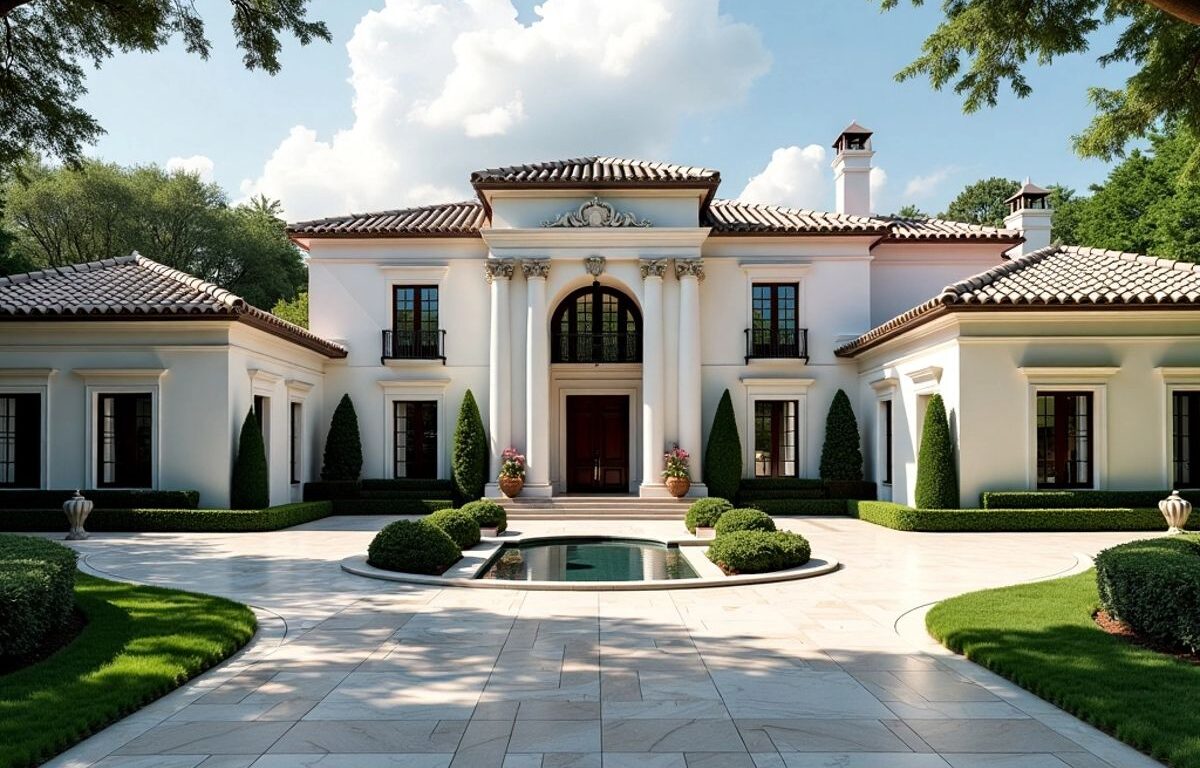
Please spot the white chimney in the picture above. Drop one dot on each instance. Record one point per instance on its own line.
(1030, 214)
(852, 170)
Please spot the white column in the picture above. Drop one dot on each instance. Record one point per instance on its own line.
(653, 434)
(690, 272)
(537, 381)
(499, 274)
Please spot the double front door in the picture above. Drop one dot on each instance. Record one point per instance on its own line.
(598, 443)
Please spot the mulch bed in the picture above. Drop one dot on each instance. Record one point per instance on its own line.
(1125, 632)
(55, 641)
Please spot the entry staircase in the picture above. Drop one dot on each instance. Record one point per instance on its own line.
(598, 507)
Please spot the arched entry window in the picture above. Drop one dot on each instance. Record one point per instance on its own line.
(596, 325)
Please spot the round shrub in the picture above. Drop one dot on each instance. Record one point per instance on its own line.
(744, 520)
(759, 551)
(413, 546)
(459, 525)
(1154, 587)
(37, 592)
(488, 514)
(704, 513)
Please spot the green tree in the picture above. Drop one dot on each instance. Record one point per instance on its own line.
(982, 44)
(250, 488)
(48, 45)
(982, 202)
(841, 457)
(911, 211)
(470, 460)
(1067, 207)
(723, 453)
(294, 311)
(343, 447)
(937, 476)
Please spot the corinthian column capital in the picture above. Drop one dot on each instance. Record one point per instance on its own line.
(536, 268)
(497, 269)
(652, 267)
(689, 268)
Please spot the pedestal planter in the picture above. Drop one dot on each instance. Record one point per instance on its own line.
(511, 486)
(1176, 510)
(77, 508)
(678, 486)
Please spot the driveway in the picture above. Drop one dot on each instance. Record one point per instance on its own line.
(348, 672)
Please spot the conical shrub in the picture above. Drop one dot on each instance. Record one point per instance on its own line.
(723, 453)
(841, 457)
(470, 459)
(343, 447)
(250, 488)
(937, 477)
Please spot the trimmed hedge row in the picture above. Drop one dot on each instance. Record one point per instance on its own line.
(794, 488)
(389, 506)
(172, 520)
(759, 551)
(1082, 499)
(902, 518)
(1154, 587)
(21, 498)
(408, 485)
(784, 507)
(37, 592)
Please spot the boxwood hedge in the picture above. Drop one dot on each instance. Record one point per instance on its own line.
(782, 507)
(458, 524)
(759, 551)
(37, 588)
(744, 520)
(488, 514)
(1154, 587)
(413, 546)
(22, 498)
(171, 520)
(904, 518)
(1082, 499)
(389, 506)
(704, 513)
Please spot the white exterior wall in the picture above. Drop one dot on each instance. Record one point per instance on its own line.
(904, 275)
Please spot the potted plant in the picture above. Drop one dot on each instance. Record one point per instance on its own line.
(512, 472)
(677, 476)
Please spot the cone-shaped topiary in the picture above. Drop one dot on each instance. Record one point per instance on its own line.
(937, 477)
(469, 463)
(841, 458)
(343, 447)
(723, 454)
(250, 488)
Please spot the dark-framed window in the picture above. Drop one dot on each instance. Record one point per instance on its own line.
(20, 440)
(414, 431)
(596, 325)
(774, 330)
(1185, 438)
(415, 332)
(775, 438)
(125, 440)
(260, 413)
(885, 414)
(1065, 437)
(295, 435)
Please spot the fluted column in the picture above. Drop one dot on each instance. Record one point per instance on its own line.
(653, 433)
(499, 275)
(690, 272)
(537, 380)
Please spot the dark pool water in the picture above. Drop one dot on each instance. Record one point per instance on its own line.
(579, 559)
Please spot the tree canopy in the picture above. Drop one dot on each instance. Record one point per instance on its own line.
(981, 45)
(982, 202)
(68, 215)
(48, 43)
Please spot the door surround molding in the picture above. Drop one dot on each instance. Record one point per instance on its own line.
(595, 380)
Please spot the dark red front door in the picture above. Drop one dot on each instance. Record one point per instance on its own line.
(598, 443)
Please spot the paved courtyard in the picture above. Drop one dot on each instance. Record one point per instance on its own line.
(834, 671)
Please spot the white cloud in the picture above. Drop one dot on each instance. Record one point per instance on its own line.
(197, 164)
(443, 87)
(919, 187)
(801, 178)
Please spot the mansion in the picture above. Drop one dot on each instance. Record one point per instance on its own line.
(598, 309)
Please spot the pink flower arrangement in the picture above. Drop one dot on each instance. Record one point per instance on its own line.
(676, 461)
(512, 464)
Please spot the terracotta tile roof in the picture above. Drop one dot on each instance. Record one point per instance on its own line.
(732, 217)
(446, 219)
(928, 229)
(1070, 277)
(134, 287)
(597, 170)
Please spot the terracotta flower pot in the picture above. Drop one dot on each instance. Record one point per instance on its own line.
(511, 486)
(678, 486)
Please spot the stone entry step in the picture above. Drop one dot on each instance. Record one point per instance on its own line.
(611, 507)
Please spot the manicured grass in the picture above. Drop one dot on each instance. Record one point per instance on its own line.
(1042, 637)
(140, 642)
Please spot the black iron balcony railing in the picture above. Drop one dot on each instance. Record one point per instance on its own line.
(414, 345)
(763, 343)
(595, 348)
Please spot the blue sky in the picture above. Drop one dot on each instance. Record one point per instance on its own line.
(801, 70)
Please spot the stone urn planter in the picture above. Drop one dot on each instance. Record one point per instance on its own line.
(1176, 510)
(77, 508)
(678, 486)
(511, 486)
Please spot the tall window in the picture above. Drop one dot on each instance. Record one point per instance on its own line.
(415, 332)
(775, 438)
(415, 436)
(1185, 422)
(295, 435)
(124, 433)
(773, 332)
(1064, 439)
(885, 417)
(596, 325)
(20, 440)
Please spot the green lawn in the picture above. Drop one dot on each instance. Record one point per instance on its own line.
(140, 642)
(1042, 637)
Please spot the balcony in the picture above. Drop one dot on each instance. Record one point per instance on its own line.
(768, 344)
(414, 345)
